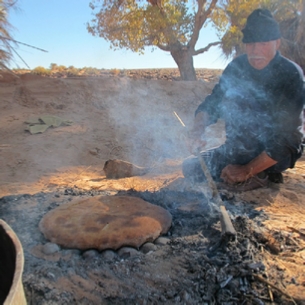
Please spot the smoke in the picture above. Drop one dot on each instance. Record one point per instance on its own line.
(248, 118)
(141, 114)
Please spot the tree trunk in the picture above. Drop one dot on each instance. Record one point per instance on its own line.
(184, 61)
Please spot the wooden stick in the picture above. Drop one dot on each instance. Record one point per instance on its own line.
(275, 287)
(227, 228)
(296, 231)
(177, 116)
(269, 288)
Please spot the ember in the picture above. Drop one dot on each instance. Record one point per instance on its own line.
(203, 266)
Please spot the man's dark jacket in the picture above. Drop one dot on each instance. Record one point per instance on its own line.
(262, 108)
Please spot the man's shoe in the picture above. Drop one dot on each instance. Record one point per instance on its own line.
(276, 177)
(251, 184)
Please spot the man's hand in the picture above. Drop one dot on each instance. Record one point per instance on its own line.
(239, 173)
(195, 142)
(232, 174)
(195, 145)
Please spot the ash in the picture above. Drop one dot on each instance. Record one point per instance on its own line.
(192, 264)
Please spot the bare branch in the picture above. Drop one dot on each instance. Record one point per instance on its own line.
(7, 38)
(200, 18)
(207, 13)
(197, 27)
(20, 57)
(155, 3)
(205, 49)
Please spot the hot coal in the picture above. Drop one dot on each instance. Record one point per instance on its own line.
(195, 266)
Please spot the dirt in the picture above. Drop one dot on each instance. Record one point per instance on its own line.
(131, 117)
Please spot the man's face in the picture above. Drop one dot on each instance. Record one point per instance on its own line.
(261, 53)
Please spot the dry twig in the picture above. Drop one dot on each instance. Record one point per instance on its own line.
(258, 277)
(269, 288)
(296, 231)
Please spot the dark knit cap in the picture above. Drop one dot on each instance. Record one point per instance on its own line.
(261, 27)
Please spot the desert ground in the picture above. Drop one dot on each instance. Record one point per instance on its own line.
(131, 116)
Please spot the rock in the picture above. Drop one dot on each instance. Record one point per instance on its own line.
(50, 248)
(108, 255)
(105, 222)
(148, 247)
(115, 169)
(256, 266)
(39, 251)
(51, 276)
(71, 252)
(185, 296)
(70, 271)
(90, 254)
(170, 294)
(162, 241)
(126, 252)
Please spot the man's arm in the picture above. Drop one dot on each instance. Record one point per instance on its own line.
(285, 138)
(207, 113)
(239, 173)
(195, 141)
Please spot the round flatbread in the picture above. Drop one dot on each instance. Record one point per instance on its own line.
(105, 222)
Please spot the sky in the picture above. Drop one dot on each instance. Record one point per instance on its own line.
(59, 27)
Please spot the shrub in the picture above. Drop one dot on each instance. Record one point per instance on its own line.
(115, 71)
(72, 71)
(41, 71)
(61, 68)
(53, 66)
(90, 71)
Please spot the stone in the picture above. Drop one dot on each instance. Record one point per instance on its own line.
(105, 222)
(90, 254)
(39, 252)
(71, 252)
(50, 248)
(162, 241)
(126, 252)
(108, 255)
(148, 247)
(116, 169)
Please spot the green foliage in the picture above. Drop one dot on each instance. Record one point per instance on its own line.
(90, 71)
(41, 71)
(63, 71)
(61, 68)
(115, 72)
(53, 67)
(56, 71)
(72, 71)
(170, 25)
(230, 17)
(136, 24)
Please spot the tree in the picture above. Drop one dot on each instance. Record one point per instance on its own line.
(170, 25)
(5, 28)
(230, 18)
(293, 31)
